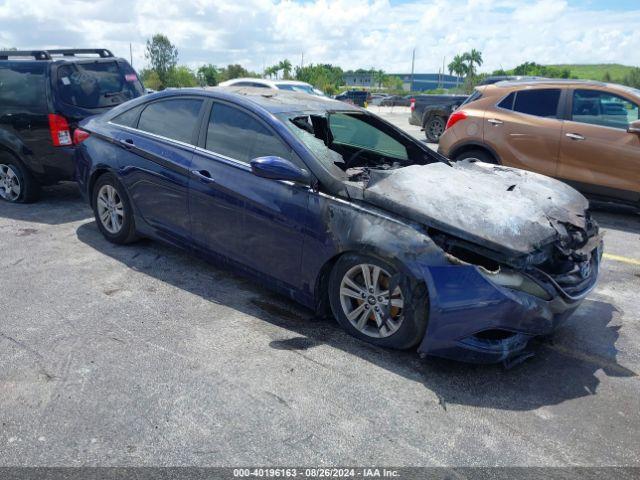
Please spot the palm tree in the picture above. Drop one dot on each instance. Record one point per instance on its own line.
(474, 57)
(271, 71)
(379, 77)
(286, 67)
(458, 67)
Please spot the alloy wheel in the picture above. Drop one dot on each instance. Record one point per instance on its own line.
(110, 209)
(10, 187)
(367, 302)
(436, 127)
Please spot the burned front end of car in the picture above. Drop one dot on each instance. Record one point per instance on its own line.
(488, 307)
(521, 252)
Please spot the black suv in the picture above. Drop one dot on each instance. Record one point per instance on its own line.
(43, 96)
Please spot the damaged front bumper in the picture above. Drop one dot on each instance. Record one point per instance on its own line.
(475, 319)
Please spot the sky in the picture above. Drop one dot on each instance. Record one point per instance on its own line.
(349, 33)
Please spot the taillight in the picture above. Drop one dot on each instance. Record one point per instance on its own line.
(455, 118)
(80, 136)
(59, 128)
(413, 104)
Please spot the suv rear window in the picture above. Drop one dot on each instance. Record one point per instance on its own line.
(97, 84)
(541, 103)
(476, 95)
(23, 84)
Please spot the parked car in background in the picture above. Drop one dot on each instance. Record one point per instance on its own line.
(43, 96)
(431, 112)
(582, 132)
(346, 214)
(396, 101)
(360, 98)
(376, 98)
(290, 85)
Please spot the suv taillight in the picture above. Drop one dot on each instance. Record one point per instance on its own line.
(59, 128)
(80, 136)
(413, 104)
(455, 118)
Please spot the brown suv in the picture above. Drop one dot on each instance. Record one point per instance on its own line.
(585, 133)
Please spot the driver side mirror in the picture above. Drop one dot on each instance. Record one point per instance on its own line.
(278, 168)
(634, 127)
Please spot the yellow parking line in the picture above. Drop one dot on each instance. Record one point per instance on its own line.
(619, 258)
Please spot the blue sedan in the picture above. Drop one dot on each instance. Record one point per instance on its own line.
(345, 214)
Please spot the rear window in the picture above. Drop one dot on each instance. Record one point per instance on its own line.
(97, 84)
(476, 95)
(23, 84)
(541, 103)
(174, 118)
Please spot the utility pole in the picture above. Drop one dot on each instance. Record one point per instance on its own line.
(130, 55)
(302, 61)
(443, 59)
(413, 63)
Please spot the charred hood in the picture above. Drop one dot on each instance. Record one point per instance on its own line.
(507, 210)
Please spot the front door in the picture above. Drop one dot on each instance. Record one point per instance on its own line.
(255, 221)
(597, 153)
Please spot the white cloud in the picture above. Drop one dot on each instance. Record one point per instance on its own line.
(350, 33)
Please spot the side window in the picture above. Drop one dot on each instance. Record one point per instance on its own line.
(507, 102)
(237, 135)
(541, 103)
(22, 84)
(128, 118)
(350, 130)
(602, 108)
(175, 118)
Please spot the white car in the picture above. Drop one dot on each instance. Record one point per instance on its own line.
(291, 85)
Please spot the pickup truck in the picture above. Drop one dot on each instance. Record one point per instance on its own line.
(431, 112)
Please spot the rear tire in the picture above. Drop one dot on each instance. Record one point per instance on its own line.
(434, 128)
(17, 185)
(385, 309)
(112, 210)
(480, 155)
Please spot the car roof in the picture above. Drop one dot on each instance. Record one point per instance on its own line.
(57, 55)
(561, 82)
(265, 81)
(273, 101)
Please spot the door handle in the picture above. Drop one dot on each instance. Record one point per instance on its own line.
(127, 143)
(574, 136)
(495, 121)
(203, 175)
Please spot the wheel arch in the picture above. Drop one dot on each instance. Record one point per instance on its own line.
(93, 178)
(433, 112)
(469, 146)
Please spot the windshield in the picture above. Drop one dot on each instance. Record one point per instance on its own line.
(296, 88)
(97, 84)
(350, 144)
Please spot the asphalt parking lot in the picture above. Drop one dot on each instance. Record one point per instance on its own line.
(144, 355)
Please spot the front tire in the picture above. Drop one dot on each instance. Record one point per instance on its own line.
(113, 211)
(434, 128)
(17, 185)
(374, 302)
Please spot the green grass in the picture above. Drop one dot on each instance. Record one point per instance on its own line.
(597, 71)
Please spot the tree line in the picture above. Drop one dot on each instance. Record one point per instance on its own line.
(164, 71)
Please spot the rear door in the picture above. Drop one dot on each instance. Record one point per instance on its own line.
(252, 220)
(597, 153)
(157, 162)
(24, 124)
(524, 128)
